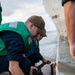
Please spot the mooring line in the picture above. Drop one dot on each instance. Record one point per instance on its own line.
(57, 56)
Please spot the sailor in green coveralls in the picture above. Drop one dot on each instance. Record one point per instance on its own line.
(15, 42)
(34, 54)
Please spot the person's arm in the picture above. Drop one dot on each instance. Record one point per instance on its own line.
(46, 61)
(14, 68)
(34, 52)
(69, 10)
(14, 45)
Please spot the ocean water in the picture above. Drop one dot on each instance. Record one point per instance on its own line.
(48, 45)
(48, 48)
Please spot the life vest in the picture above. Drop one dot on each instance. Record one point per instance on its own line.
(21, 29)
(37, 42)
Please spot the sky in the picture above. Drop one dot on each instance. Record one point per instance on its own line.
(20, 10)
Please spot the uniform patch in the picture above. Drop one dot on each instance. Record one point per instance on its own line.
(13, 24)
(30, 40)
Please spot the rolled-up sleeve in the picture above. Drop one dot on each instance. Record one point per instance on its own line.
(14, 45)
(64, 1)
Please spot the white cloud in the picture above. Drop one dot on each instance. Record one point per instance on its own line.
(22, 9)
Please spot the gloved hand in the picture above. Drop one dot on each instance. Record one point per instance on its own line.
(46, 61)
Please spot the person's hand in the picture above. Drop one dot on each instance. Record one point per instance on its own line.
(23, 55)
(46, 61)
(33, 68)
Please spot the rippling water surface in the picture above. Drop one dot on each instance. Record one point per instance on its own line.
(48, 48)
